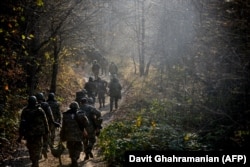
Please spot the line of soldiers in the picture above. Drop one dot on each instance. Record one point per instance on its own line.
(99, 88)
(37, 125)
(80, 125)
(96, 67)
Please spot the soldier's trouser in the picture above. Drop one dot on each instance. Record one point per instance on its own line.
(112, 101)
(34, 145)
(90, 140)
(96, 74)
(101, 98)
(75, 148)
(53, 134)
(45, 147)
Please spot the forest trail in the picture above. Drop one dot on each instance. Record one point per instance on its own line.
(21, 156)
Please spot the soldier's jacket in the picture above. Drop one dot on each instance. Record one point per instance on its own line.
(55, 108)
(115, 88)
(93, 115)
(113, 69)
(101, 86)
(80, 95)
(33, 122)
(91, 88)
(45, 106)
(95, 68)
(73, 124)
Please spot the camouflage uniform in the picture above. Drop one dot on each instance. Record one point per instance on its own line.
(93, 116)
(101, 91)
(73, 125)
(45, 106)
(114, 92)
(91, 88)
(113, 70)
(34, 128)
(55, 108)
(79, 95)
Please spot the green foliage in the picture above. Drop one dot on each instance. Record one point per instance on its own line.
(147, 129)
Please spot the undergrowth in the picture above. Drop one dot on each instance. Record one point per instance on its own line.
(145, 129)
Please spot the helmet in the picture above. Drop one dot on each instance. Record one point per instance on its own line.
(74, 105)
(84, 100)
(40, 96)
(91, 79)
(32, 100)
(51, 96)
(90, 100)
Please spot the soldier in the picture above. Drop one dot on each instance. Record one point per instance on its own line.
(114, 92)
(93, 129)
(79, 95)
(55, 108)
(34, 128)
(52, 124)
(73, 126)
(104, 65)
(101, 91)
(96, 68)
(91, 88)
(113, 70)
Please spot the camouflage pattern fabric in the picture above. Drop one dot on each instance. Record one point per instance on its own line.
(33, 122)
(92, 114)
(55, 108)
(70, 129)
(34, 127)
(45, 106)
(114, 93)
(75, 149)
(73, 125)
(101, 91)
(90, 140)
(34, 145)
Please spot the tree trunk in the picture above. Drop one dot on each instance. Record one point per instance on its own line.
(135, 69)
(147, 66)
(55, 65)
(142, 62)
